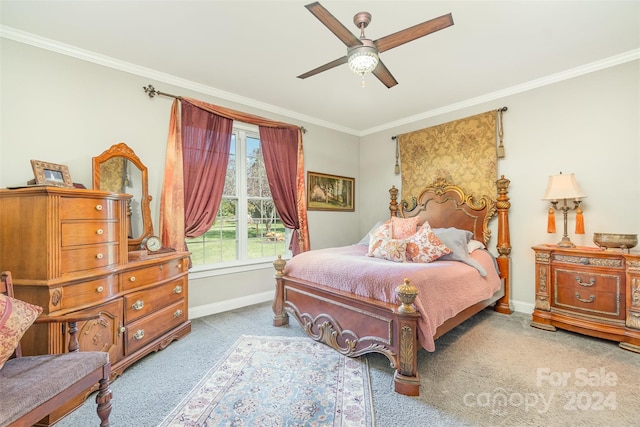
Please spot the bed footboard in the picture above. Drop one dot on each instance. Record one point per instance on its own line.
(381, 328)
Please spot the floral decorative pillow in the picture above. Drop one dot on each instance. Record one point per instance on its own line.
(375, 237)
(15, 318)
(403, 228)
(390, 249)
(424, 246)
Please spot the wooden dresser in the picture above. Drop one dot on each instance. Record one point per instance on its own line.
(590, 291)
(67, 249)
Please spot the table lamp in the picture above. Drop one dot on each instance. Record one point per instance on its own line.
(564, 187)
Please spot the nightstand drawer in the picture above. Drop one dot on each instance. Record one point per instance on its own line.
(588, 280)
(589, 301)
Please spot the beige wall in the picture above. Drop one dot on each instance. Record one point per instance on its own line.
(65, 110)
(588, 125)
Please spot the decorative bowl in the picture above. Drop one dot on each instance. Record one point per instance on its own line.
(612, 240)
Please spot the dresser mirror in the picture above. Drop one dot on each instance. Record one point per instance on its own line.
(119, 170)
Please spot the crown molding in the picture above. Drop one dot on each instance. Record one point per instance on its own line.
(630, 56)
(65, 49)
(107, 61)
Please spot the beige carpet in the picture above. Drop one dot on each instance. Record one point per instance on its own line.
(483, 373)
(496, 370)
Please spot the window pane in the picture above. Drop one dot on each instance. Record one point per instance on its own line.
(220, 243)
(266, 231)
(230, 186)
(257, 184)
(256, 233)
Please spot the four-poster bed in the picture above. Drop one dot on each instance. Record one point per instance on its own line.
(358, 320)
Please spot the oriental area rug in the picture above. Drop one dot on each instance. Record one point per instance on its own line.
(279, 381)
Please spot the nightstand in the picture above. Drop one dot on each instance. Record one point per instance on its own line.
(590, 291)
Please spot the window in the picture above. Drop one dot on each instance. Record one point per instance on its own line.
(247, 228)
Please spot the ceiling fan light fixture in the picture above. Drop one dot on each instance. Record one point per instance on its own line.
(363, 59)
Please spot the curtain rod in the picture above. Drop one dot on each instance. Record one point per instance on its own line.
(151, 91)
(503, 109)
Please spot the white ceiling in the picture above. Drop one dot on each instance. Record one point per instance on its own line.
(252, 51)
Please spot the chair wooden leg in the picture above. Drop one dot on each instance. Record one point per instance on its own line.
(103, 399)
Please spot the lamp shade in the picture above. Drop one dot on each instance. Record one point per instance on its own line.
(563, 186)
(363, 59)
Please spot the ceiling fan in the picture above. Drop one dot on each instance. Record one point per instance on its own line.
(362, 53)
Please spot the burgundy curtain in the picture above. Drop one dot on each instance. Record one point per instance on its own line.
(280, 151)
(206, 141)
(183, 196)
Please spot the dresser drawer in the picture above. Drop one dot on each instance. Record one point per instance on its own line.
(145, 330)
(87, 233)
(79, 208)
(140, 303)
(143, 276)
(585, 279)
(91, 292)
(89, 257)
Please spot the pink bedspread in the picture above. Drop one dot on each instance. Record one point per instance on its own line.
(445, 287)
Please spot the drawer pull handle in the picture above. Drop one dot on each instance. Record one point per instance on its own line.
(178, 313)
(98, 207)
(179, 266)
(177, 289)
(99, 256)
(132, 278)
(122, 330)
(139, 334)
(99, 289)
(99, 231)
(592, 298)
(138, 305)
(592, 282)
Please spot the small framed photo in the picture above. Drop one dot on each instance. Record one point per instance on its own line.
(330, 192)
(51, 174)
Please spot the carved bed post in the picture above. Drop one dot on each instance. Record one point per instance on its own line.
(280, 316)
(406, 377)
(393, 204)
(504, 244)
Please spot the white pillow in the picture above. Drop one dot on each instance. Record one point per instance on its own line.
(365, 239)
(474, 244)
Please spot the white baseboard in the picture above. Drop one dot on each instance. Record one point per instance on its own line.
(522, 307)
(231, 304)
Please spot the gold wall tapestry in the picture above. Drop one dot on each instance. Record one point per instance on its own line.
(462, 152)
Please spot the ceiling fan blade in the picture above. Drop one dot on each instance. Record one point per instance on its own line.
(335, 26)
(412, 33)
(384, 75)
(324, 67)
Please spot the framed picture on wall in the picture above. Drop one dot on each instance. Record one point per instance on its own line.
(51, 174)
(330, 192)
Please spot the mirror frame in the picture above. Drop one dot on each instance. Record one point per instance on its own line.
(123, 150)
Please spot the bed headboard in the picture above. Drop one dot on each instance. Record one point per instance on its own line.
(446, 205)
